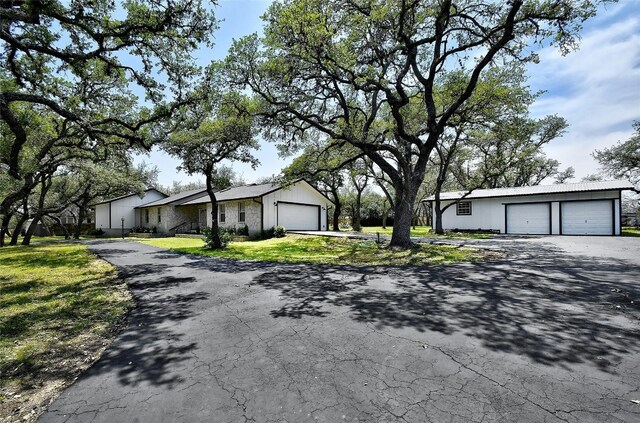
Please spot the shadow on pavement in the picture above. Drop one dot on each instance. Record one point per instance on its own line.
(554, 308)
(150, 350)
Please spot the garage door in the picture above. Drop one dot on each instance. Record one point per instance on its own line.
(299, 217)
(587, 218)
(528, 219)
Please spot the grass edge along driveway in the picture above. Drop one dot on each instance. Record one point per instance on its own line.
(60, 306)
(323, 250)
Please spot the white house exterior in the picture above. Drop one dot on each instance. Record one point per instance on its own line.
(298, 206)
(170, 214)
(109, 214)
(586, 208)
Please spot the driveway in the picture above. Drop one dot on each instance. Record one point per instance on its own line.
(550, 333)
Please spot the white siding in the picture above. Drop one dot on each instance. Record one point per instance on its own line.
(301, 192)
(122, 208)
(489, 213)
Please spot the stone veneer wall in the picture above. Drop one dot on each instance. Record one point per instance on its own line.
(253, 216)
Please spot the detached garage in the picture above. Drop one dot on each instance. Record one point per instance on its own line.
(587, 208)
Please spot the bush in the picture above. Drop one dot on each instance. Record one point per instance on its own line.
(268, 234)
(224, 234)
(279, 232)
(244, 231)
(95, 232)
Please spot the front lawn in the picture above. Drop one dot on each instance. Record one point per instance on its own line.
(59, 307)
(319, 249)
(423, 232)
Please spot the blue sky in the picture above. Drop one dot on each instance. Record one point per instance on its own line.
(597, 88)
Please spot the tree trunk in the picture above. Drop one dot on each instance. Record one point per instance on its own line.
(385, 213)
(4, 227)
(356, 213)
(65, 231)
(337, 210)
(403, 212)
(18, 229)
(32, 228)
(82, 212)
(215, 235)
(437, 215)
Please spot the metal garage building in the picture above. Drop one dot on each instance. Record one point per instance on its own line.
(586, 208)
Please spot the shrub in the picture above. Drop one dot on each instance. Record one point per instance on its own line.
(266, 234)
(243, 231)
(279, 232)
(223, 233)
(95, 232)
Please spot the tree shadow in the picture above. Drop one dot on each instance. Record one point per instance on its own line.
(553, 308)
(151, 349)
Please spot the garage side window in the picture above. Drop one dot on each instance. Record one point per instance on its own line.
(463, 208)
(223, 213)
(241, 212)
(146, 215)
(159, 216)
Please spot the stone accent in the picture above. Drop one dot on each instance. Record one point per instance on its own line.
(253, 216)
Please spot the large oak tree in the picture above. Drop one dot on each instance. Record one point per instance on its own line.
(368, 72)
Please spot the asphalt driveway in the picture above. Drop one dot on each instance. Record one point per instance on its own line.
(550, 333)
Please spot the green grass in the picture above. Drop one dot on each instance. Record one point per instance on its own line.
(423, 232)
(58, 302)
(630, 231)
(318, 249)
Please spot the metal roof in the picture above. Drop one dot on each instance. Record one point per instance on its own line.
(176, 198)
(128, 195)
(537, 190)
(236, 193)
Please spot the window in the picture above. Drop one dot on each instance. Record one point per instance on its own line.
(159, 215)
(463, 208)
(241, 212)
(223, 215)
(146, 215)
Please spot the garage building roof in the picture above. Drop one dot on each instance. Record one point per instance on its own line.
(537, 190)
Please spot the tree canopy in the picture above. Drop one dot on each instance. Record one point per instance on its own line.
(388, 77)
(623, 159)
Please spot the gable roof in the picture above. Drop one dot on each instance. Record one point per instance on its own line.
(246, 192)
(237, 193)
(128, 195)
(176, 199)
(537, 190)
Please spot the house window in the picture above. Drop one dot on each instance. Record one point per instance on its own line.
(463, 208)
(146, 215)
(159, 215)
(241, 212)
(223, 215)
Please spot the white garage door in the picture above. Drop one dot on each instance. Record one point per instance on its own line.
(587, 218)
(528, 219)
(298, 217)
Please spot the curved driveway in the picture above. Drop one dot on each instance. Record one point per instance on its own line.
(543, 335)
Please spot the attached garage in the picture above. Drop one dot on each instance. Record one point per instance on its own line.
(585, 208)
(531, 219)
(299, 217)
(587, 217)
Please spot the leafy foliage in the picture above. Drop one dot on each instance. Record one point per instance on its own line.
(623, 159)
(387, 77)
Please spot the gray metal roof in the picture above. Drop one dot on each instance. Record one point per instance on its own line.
(236, 193)
(537, 190)
(176, 198)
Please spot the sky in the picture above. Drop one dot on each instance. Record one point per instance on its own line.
(596, 88)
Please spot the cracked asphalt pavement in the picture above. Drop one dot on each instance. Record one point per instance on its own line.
(549, 333)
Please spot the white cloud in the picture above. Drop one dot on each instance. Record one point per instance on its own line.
(597, 89)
